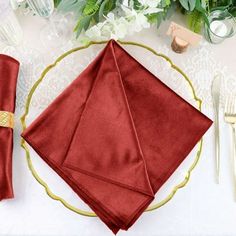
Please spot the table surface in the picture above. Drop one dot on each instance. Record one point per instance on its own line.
(201, 208)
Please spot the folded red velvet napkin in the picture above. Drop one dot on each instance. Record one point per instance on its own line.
(115, 135)
(8, 77)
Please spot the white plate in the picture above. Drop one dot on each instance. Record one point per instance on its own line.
(64, 73)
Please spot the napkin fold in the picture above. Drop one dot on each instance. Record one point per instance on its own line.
(9, 68)
(115, 135)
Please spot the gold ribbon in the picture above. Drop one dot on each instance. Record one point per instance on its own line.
(6, 119)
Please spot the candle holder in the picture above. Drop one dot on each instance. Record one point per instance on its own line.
(43, 8)
(182, 37)
(222, 25)
(10, 29)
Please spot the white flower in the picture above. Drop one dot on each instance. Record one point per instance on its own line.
(94, 31)
(149, 6)
(125, 3)
(151, 10)
(122, 28)
(128, 11)
(138, 19)
(140, 22)
(150, 3)
(127, 21)
(118, 26)
(111, 28)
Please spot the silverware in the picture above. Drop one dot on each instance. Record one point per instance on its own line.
(215, 91)
(230, 118)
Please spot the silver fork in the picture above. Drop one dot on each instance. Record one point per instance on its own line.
(230, 118)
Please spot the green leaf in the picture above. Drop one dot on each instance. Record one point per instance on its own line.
(188, 5)
(91, 7)
(203, 11)
(194, 21)
(232, 11)
(136, 4)
(171, 10)
(152, 17)
(165, 3)
(102, 8)
(111, 4)
(57, 2)
(159, 19)
(76, 6)
(96, 17)
(82, 24)
(165, 14)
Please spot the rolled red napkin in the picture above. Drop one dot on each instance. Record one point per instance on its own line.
(9, 68)
(115, 135)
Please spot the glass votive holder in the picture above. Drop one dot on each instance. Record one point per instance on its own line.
(10, 29)
(222, 25)
(42, 8)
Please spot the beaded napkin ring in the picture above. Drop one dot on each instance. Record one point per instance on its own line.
(6, 119)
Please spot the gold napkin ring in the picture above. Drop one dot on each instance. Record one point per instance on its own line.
(6, 119)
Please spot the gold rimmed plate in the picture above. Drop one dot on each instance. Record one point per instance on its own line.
(60, 74)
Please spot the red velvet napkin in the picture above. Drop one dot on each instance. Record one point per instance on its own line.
(115, 135)
(8, 78)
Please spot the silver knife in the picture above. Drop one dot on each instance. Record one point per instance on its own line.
(215, 92)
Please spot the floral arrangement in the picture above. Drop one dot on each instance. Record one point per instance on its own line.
(105, 19)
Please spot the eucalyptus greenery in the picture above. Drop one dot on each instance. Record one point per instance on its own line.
(90, 12)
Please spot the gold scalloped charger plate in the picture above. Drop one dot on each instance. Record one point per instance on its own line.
(57, 76)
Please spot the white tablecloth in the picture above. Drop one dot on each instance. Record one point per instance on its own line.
(201, 208)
